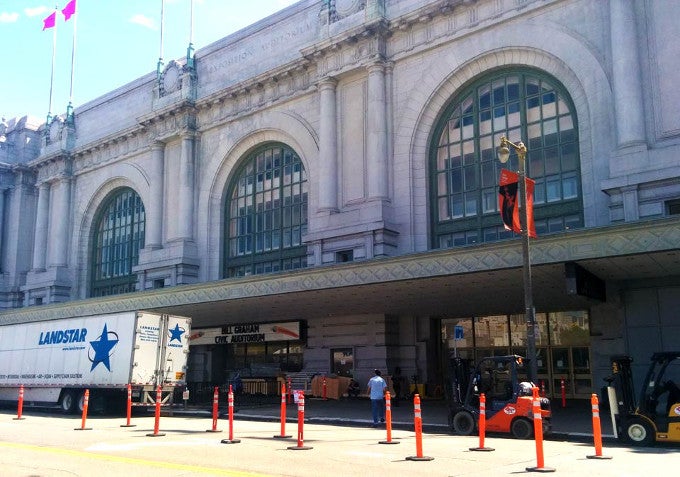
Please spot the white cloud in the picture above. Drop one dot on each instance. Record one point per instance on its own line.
(8, 17)
(146, 22)
(32, 12)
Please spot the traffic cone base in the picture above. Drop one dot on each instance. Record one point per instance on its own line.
(213, 430)
(299, 448)
(598, 457)
(155, 434)
(128, 425)
(18, 418)
(540, 469)
(282, 437)
(482, 449)
(389, 442)
(230, 441)
(416, 458)
(82, 428)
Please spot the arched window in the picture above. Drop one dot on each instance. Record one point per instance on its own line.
(266, 214)
(522, 105)
(118, 236)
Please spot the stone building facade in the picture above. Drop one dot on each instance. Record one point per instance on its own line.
(361, 134)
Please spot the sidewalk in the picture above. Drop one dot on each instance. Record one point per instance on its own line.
(573, 422)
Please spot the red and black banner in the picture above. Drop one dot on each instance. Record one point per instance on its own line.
(508, 202)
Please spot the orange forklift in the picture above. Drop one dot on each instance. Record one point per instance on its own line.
(508, 399)
(655, 416)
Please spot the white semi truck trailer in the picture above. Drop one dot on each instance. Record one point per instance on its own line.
(57, 360)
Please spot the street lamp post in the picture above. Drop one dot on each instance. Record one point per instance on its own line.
(530, 312)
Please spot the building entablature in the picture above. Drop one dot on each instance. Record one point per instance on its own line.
(6, 176)
(53, 168)
(174, 121)
(23, 175)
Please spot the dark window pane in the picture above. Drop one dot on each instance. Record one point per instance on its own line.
(484, 97)
(552, 160)
(569, 159)
(498, 92)
(513, 88)
(535, 167)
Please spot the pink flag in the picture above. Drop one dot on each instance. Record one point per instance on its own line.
(50, 21)
(69, 10)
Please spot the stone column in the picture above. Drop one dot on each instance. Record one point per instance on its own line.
(60, 221)
(41, 222)
(186, 188)
(627, 83)
(328, 146)
(154, 210)
(376, 134)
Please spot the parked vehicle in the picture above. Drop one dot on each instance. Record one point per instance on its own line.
(509, 400)
(655, 415)
(57, 360)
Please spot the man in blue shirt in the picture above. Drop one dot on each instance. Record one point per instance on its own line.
(376, 389)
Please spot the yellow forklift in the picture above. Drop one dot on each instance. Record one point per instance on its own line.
(655, 417)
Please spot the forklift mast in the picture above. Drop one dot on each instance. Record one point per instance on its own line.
(459, 374)
(496, 376)
(622, 381)
(660, 378)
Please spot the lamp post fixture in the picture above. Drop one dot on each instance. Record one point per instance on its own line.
(530, 312)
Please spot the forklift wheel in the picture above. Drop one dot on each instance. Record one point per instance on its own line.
(522, 428)
(639, 432)
(463, 423)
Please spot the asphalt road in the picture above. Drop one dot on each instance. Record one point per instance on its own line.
(48, 445)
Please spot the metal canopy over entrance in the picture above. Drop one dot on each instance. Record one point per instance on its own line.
(459, 282)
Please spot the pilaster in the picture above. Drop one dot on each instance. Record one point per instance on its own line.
(328, 146)
(154, 214)
(376, 134)
(41, 224)
(628, 104)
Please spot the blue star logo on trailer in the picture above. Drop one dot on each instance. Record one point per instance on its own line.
(102, 347)
(176, 333)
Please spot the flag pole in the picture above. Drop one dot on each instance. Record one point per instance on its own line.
(54, 56)
(190, 48)
(69, 108)
(159, 66)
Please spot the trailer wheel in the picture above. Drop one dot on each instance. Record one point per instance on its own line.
(68, 401)
(522, 429)
(463, 423)
(81, 401)
(639, 432)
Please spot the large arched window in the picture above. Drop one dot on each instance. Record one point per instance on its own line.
(522, 105)
(266, 214)
(118, 236)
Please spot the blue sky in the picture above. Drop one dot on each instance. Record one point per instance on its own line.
(117, 41)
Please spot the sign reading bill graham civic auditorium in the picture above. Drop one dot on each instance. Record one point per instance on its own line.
(247, 333)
